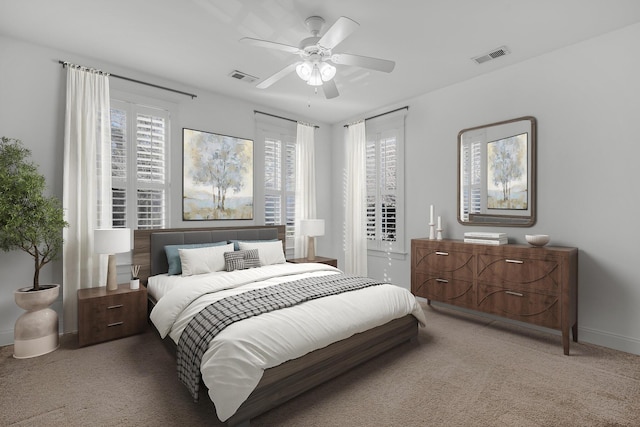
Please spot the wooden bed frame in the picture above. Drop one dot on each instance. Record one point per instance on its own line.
(282, 383)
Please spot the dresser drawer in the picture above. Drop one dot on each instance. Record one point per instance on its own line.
(531, 307)
(442, 258)
(523, 273)
(444, 289)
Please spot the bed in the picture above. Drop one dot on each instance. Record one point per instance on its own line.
(278, 380)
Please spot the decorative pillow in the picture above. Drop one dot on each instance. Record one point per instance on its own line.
(236, 246)
(241, 260)
(173, 257)
(203, 260)
(269, 252)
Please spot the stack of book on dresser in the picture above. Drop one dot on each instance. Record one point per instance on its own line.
(486, 238)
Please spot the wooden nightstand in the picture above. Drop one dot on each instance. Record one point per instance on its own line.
(106, 315)
(319, 259)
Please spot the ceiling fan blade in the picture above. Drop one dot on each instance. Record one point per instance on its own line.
(364, 62)
(339, 31)
(277, 76)
(270, 45)
(330, 89)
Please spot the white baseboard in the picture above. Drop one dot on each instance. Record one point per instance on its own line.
(607, 339)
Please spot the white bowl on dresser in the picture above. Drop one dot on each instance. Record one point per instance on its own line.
(537, 239)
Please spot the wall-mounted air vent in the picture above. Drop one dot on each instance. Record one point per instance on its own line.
(496, 53)
(243, 76)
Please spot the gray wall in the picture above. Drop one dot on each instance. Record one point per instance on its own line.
(586, 100)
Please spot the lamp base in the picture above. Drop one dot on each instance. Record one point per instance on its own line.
(112, 273)
(311, 248)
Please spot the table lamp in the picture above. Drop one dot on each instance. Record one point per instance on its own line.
(312, 228)
(112, 241)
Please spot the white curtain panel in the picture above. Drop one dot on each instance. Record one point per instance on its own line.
(355, 222)
(86, 183)
(305, 184)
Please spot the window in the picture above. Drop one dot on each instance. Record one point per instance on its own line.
(385, 184)
(471, 152)
(139, 165)
(280, 183)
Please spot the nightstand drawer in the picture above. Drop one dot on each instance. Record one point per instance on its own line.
(104, 316)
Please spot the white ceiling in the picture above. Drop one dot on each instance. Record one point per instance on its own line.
(195, 42)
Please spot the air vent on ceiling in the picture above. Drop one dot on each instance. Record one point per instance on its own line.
(496, 53)
(243, 76)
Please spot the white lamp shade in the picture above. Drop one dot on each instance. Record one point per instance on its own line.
(327, 71)
(112, 240)
(304, 70)
(312, 227)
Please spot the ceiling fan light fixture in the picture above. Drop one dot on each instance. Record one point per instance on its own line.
(304, 70)
(327, 71)
(316, 78)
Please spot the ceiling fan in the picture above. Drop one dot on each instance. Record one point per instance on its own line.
(316, 55)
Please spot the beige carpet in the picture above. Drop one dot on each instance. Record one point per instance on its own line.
(463, 371)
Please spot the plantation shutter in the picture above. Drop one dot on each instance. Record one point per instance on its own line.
(272, 182)
(385, 183)
(372, 189)
(471, 193)
(388, 188)
(119, 150)
(381, 166)
(150, 170)
(280, 185)
(139, 165)
(290, 191)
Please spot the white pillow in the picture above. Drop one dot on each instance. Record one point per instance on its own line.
(203, 260)
(269, 252)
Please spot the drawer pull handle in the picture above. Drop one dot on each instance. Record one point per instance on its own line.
(516, 294)
(514, 261)
(114, 306)
(442, 281)
(442, 253)
(114, 324)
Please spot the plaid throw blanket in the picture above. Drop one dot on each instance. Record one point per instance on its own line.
(205, 325)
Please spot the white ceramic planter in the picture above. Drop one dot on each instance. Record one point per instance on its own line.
(36, 331)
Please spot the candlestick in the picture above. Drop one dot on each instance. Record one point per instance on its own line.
(432, 231)
(439, 235)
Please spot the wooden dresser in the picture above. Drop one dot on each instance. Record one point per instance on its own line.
(105, 315)
(537, 285)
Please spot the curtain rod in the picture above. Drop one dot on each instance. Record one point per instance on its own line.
(65, 63)
(379, 115)
(284, 118)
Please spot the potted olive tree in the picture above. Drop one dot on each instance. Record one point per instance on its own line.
(32, 222)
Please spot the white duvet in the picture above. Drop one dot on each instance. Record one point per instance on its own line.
(237, 357)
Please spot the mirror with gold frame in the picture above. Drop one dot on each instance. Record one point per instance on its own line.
(497, 174)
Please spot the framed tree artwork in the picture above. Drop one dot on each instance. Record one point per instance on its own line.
(217, 179)
(507, 184)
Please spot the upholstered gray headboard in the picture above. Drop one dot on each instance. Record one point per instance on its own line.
(149, 245)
